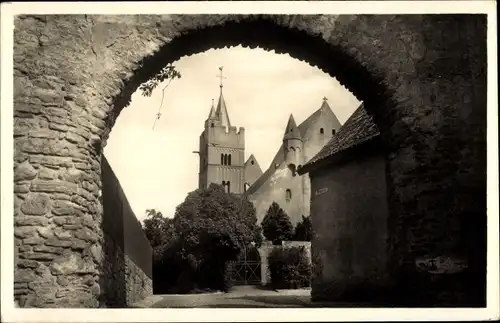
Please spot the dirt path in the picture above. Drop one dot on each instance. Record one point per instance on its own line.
(238, 297)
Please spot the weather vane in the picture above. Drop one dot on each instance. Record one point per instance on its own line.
(220, 75)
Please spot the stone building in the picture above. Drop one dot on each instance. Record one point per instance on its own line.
(349, 209)
(222, 153)
(280, 182)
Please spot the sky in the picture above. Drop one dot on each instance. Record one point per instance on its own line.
(157, 167)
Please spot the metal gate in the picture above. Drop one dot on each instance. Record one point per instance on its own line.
(246, 269)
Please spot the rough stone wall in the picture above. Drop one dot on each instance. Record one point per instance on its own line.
(126, 272)
(423, 77)
(349, 217)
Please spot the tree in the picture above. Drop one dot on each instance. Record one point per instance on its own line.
(167, 73)
(213, 228)
(276, 225)
(303, 230)
(153, 227)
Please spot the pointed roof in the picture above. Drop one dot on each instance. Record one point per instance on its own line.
(325, 104)
(221, 112)
(212, 111)
(320, 113)
(291, 131)
(255, 164)
(358, 129)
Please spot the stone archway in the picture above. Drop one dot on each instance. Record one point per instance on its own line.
(426, 90)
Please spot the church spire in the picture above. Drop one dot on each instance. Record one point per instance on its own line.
(221, 112)
(292, 131)
(212, 111)
(325, 104)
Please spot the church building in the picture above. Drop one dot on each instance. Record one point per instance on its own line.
(222, 160)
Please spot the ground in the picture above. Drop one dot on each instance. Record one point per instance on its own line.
(238, 297)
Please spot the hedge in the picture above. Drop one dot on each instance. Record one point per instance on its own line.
(289, 268)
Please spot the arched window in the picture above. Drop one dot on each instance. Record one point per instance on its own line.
(224, 185)
(222, 159)
(333, 131)
(229, 160)
(212, 125)
(228, 185)
(288, 195)
(321, 130)
(252, 162)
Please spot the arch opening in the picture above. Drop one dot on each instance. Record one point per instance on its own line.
(259, 32)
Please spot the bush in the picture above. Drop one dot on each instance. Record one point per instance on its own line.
(303, 230)
(276, 225)
(290, 268)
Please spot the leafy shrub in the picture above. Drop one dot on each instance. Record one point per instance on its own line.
(289, 267)
(276, 225)
(303, 230)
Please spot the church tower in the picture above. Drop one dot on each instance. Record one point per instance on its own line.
(222, 150)
(293, 145)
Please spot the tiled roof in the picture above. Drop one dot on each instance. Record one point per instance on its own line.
(357, 129)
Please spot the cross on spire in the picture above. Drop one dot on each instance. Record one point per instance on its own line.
(220, 76)
(325, 99)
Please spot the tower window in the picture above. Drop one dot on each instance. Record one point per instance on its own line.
(222, 159)
(321, 131)
(212, 125)
(333, 131)
(288, 195)
(229, 159)
(252, 162)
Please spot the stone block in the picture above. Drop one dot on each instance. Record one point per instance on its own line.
(24, 172)
(53, 187)
(56, 242)
(25, 232)
(63, 208)
(39, 256)
(47, 173)
(73, 175)
(21, 188)
(51, 161)
(36, 204)
(23, 263)
(24, 276)
(86, 235)
(77, 244)
(33, 241)
(45, 232)
(30, 220)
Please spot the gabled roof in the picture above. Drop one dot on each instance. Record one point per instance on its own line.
(325, 108)
(359, 128)
(256, 163)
